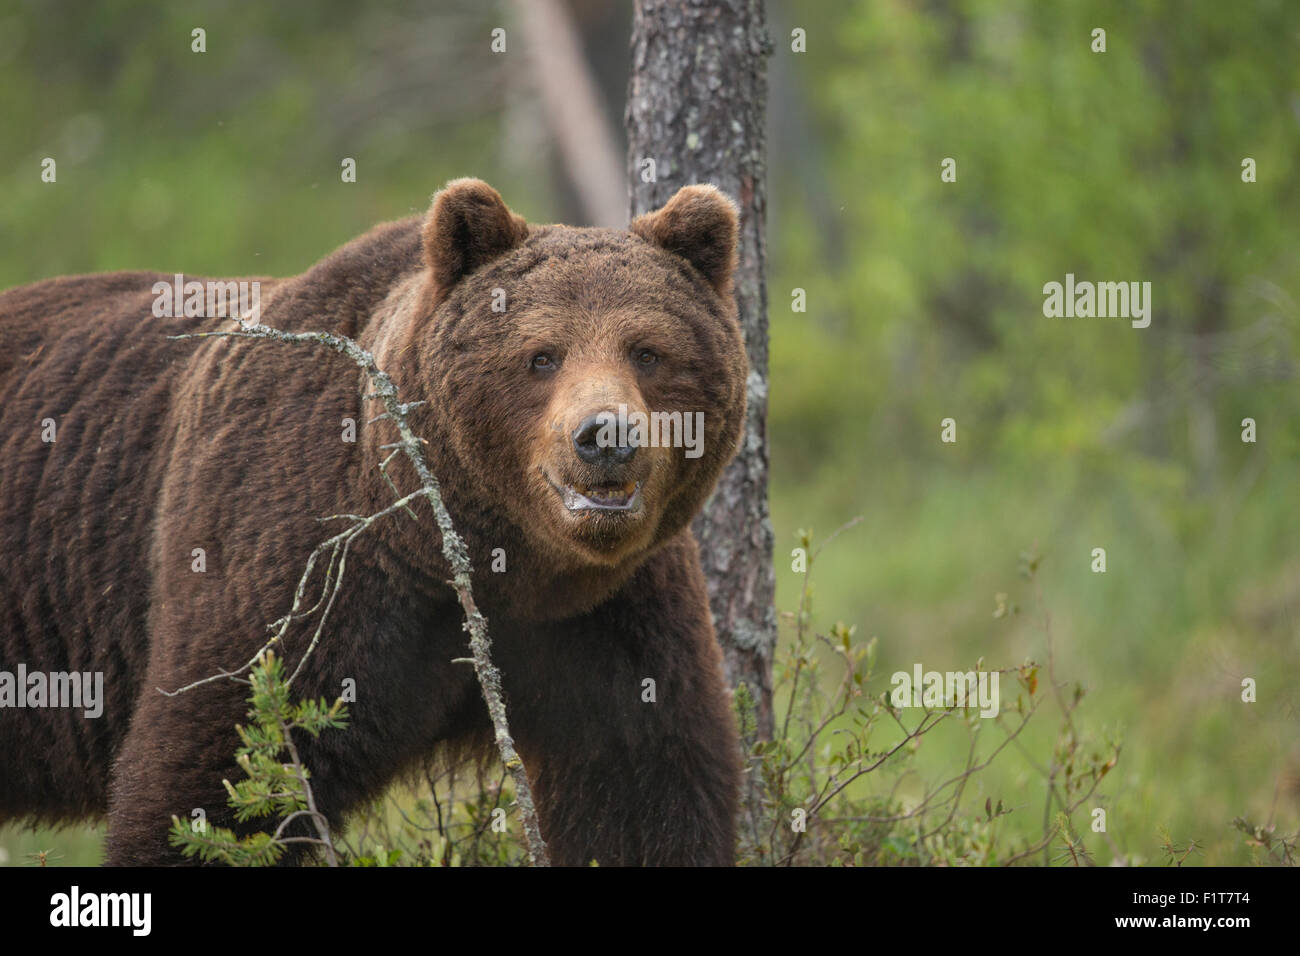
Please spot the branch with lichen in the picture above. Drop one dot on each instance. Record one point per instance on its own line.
(453, 549)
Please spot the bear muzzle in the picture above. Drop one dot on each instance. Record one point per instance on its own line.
(599, 471)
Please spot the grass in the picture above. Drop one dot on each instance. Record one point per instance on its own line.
(1161, 641)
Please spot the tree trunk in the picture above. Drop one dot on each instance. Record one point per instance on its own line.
(697, 106)
(574, 110)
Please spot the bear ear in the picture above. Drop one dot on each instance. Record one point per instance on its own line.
(468, 225)
(699, 224)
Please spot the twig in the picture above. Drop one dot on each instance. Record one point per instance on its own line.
(318, 818)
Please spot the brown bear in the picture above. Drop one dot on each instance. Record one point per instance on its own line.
(161, 497)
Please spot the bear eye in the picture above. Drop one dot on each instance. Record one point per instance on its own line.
(646, 357)
(543, 361)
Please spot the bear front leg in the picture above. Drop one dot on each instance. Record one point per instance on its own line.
(624, 721)
(172, 763)
(616, 802)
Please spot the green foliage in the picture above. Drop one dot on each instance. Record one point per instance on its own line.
(1267, 845)
(925, 301)
(273, 788)
(458, 816)
(1120, 165)
(842, 787)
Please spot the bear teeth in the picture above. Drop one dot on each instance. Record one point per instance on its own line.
(616, 494)
(613, 497)
(605, 493)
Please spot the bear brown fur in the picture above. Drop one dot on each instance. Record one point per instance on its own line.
(235, 446)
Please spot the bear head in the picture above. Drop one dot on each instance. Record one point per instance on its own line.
(589, 383)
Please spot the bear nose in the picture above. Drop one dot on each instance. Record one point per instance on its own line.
(587, 441)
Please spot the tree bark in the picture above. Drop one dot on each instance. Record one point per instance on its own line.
(697, 107)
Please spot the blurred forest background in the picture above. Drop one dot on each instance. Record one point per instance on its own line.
(924, 301)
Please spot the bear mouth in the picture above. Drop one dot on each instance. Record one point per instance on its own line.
(610, 496)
